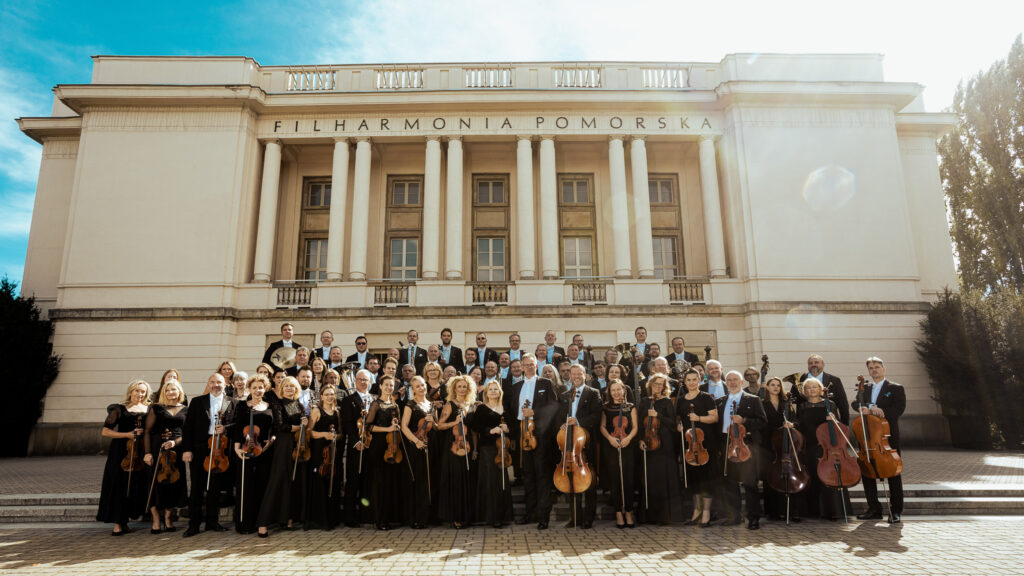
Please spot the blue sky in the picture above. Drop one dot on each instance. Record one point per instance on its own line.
(47, 43)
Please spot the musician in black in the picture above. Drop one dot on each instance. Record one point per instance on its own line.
(413, 353)
(832, 384)
(888, 400)
(287, 332)
(361, 356)
(536, 464)
(738, 407)
(679, 352)
(354, 407)
(581, 406)
(327, 342)
(208, 414)
(452, 355)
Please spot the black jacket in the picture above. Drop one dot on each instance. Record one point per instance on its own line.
(490, 354)
(196, 430)
(688, 357)
(892, 400)
(831, 384)
(752, 411)
(351, 408)
(454, 359)
(544, 404)
(274, 346)
(419, 361)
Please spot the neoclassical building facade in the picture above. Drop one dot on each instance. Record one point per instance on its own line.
(764, 204)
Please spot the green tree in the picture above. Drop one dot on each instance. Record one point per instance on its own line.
(28, 371)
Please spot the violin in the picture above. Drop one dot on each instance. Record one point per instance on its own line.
(652, 429)
(619, 424)
(528, 441)
(132, 461)
(460, 447)
(300, 453)
(786, 475)
(503, 459)
(251, 433)
(423, 429)
(217, 461)
(877, 459)
(393, 452)
(327, 466)
(168, 473)
(573, 475)
(362, 432)
(696, 454)
(837, 468)
(737, 449)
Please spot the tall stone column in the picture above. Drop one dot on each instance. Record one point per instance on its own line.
(432, 209)
(524, 208)
(339, 205)
(453, 212)
(641, 209)
(360, 212)
(620, 208)
(713, 234)
(267, 223)
(550, 248)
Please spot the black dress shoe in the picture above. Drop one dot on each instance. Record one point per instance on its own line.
(169, 529)
(121, 533)
(542, 525)
(753, 524)
(154, 530)
(690, 522)
(895, 518)
(705, 524)
(216, 528)
(631, 525)
(263, 534)
(190, 532)
(870, 515)
(383, 527)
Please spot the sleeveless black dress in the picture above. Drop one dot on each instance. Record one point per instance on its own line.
(160, 422)
(620, 485)
(385, 491)
(454, 499)
(257, 469)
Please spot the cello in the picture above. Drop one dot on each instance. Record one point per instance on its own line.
(573, 475)
(877, 459)
(786, 474)
(837, 468)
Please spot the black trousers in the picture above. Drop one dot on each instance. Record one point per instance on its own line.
(538, 483)
(354, 486)
(895, 494)
(199, 495)
(745, 474)
(583, 507)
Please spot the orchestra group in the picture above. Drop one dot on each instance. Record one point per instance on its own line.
(439, 436)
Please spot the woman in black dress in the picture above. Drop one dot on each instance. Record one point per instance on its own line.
(417, 412)
(250, 486)
(819, 500)
(385, 492)
(227, 370)
(162, 439)
(169, 375)
(493, 488)
(436, 393)
(284, 499)
(661, 466)
(123, 494)
(697, 409)
(454, 502)
(326, 454)
(776, 403)
(618, 454)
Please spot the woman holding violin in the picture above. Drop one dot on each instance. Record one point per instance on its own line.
(167, 488)
(326, 452)
(454, 504)
(493, 487)
(819, 500)
(387, 456)
(696, 416)
(418, 429)
(660, 469)
(619, 429)
(253, 439)
(436, 391)
(123, 493)
(284, 498)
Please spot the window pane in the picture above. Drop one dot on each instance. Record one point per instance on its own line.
(582, 191)
(483, 258)
(498, 275)
(398, 196)
(498, 256)
(567, 192)
(666, 191)
(327, 196)
(498, 191)
(413, 193)
(482, 193)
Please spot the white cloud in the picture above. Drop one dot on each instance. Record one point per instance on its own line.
(19, 154)
(16, 208)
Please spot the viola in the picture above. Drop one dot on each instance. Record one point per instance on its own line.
(327, 466)
(573, 475)
(393, 452)
(786, 474)
(168, 472)
(217, 461)
(737, 449)
(460, 447)
(504, 458)
(652, 431)
(528, 441)
(132, 461)
(696, 454)
(837, 468)
(877, 459)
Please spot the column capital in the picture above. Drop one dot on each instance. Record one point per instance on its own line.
(638, 138)
(522, 137)
(341, 139)
(708, 138)
(274, 141)
(429, 138)
(544, 137)
(614, 137)
(362, 139)
(454, 138)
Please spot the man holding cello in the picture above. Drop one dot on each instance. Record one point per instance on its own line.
(887, 400)
(580, 406)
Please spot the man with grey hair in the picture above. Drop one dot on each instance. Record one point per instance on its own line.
(353, 410)
(746, 409)
(714, 384)
(831, 386)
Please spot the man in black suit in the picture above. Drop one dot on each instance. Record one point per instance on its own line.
(324, 351)
(581, 405)
(361, 355)
(832, 386)
(452, 355)
(287, 331)
(514, 352)
(413, 353)
(679, 352)
(549, 341)
(514, 376)
(537, 465)
(576, 355)
(483, 353)
(357, 488)
(207, 414)
(746, 409)
(301, 361)
(885, 399)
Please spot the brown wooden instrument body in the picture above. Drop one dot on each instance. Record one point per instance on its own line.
(423, 430)
(460, 446)
(132, 461)
(737, 450)
(393, 452)
(252, 447)
(652, 431)
(877, 459)
(363, 432)
(619, 424)
(217, 461)
(168, 472)
(528, 441)
(837, 468)
(301, 450)
(328, 457)
(695, 453)
(573, 474)
(784, 475)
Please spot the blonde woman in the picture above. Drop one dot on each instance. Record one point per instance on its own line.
(419, 411)
(163, 441)
(454, 500)
(123, 494)
(662, 483)
(284, 499)
(493, 488)
(325, 423)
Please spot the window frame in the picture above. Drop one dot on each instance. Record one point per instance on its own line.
(387, 259)
(676, 234)
(477, 236)
(593, 255)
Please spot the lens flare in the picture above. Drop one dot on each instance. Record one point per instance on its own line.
(829, 188)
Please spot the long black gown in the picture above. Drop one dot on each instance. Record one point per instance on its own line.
(435, 440)
(621, 484)
(819, 500)
(699, 479)
(284, 499)
(417, 509)
(118, 502)
(159, 421)
(325, 511)
(385, 491)
(775, 502)
(493, 499)
(662, 466)
(454, 502)
(257, 469)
